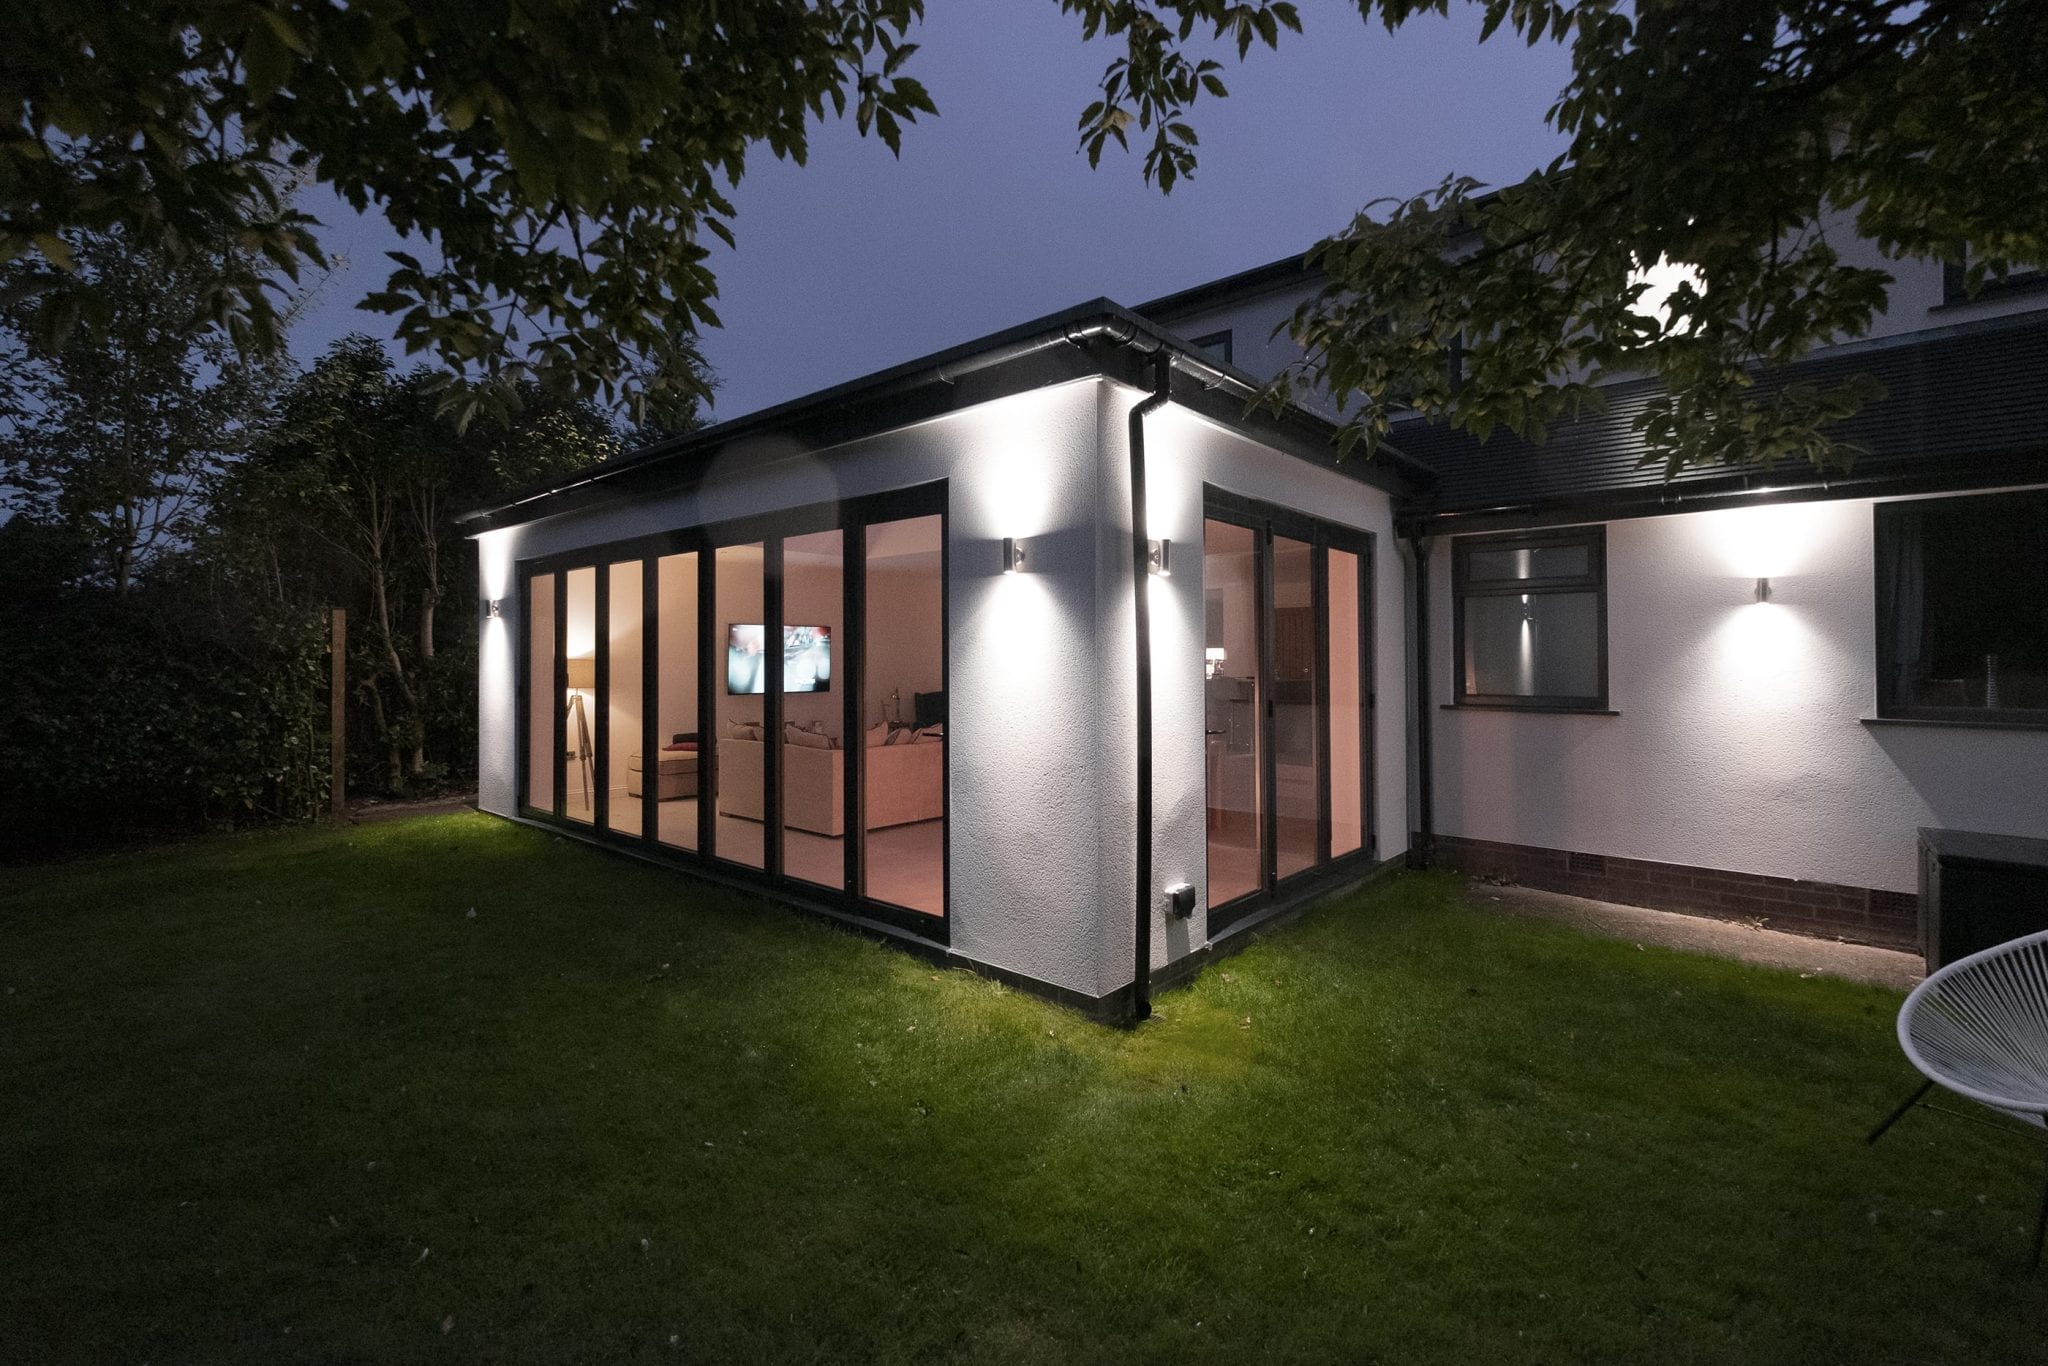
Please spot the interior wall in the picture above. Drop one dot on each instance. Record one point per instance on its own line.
(1742, 741)
(904, 655)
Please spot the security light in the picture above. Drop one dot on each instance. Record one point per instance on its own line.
(1158, 558)
(1013, 555)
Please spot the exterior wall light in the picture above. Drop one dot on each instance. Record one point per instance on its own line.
(1763, 590)
(1013, 555)
(1158, 558)
(494, 608)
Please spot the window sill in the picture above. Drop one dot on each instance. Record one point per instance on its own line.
(1944, 723)
(1511, 706)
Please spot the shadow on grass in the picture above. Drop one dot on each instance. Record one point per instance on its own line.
(285, 1097)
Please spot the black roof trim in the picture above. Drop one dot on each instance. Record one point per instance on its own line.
(1099, 337)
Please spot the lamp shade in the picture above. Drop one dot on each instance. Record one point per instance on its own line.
(582, 673)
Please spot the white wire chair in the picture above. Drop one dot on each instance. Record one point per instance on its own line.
(1979, 1027)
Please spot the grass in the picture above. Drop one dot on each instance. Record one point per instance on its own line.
(282, 1097)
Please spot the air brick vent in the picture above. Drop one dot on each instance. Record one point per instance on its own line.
(1594, 864)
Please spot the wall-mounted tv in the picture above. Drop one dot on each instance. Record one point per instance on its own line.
(806, 658)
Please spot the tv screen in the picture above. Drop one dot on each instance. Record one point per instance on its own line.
(806, 658)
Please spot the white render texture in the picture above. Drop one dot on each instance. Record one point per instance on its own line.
(1741, 743)
(1042, 681)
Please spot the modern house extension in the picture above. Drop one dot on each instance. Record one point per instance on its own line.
(876, 652)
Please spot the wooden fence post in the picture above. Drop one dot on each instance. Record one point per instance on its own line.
(337, 708)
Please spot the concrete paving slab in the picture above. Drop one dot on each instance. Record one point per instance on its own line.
(1697, 934)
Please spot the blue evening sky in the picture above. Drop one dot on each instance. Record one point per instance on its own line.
(859, 260)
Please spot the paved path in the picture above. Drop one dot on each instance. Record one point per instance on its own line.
(1697, 934)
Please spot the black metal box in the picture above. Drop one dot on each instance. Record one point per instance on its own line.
(1979, 890)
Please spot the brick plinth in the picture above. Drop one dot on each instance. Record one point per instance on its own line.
(1823, 909)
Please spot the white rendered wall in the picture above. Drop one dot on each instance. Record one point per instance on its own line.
(1184, 452)
(1025, 677)
(1740, 744)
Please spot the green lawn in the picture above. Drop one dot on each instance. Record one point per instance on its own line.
(282, 1097)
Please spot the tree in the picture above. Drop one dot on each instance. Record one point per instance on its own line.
(561, 163)
(349, 501)
(115, 431)
(1731, 143)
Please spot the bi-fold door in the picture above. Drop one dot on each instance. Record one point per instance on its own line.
(1287, 700)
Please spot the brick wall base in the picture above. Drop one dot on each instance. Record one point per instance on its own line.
(1823, 909)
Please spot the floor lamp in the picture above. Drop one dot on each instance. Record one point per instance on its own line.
(582, 678)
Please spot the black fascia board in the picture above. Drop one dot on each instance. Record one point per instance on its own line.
(1098, 338)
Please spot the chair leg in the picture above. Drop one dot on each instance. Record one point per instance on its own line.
(1895, 1116)
(2040, 1229)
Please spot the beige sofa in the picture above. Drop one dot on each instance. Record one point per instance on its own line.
(904, 783)
(675, 774)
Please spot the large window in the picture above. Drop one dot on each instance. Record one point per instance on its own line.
(1287, 699)
(769, 694)
(1962, 605)
(1530, 619)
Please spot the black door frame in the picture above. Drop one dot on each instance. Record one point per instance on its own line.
(1267, 521)
(852, 518)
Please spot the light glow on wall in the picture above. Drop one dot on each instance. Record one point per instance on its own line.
(1771, 542)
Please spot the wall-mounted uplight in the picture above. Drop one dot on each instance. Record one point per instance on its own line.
(1763, 590)
(1013, 555)
(494, 608)
(1159, 557)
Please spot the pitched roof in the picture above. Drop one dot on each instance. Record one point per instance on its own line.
(1962, 406)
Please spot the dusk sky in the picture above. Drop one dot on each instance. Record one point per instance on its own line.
(859, 260)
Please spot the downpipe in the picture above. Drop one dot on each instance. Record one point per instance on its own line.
(1141, 538)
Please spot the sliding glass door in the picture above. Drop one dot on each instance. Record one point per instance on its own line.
(726, 693)
(1287, 698)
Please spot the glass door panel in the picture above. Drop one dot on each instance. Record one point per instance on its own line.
(625, 631)
(1233, 726)
(813, 809)
(1297, 723)
(903, 716)
(677, 767)
(739, 631)
(543, 692)
(579, 735)
(1347, 707)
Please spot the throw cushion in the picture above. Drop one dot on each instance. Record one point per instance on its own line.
(878, 734)
(902, 735)
(932, 735)
(806, 739)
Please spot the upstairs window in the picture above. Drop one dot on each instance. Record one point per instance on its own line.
(1962, 608)
(1530, 619)
(1216, 346)
(1955, 282)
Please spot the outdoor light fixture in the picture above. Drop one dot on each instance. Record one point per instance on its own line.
(1527, 615)
(1158, 558)
(1013, 555)
(1213, 658)
(1180, 900)
(493, 609)
(1763, 590)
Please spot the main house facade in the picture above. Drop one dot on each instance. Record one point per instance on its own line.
(876, 652)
